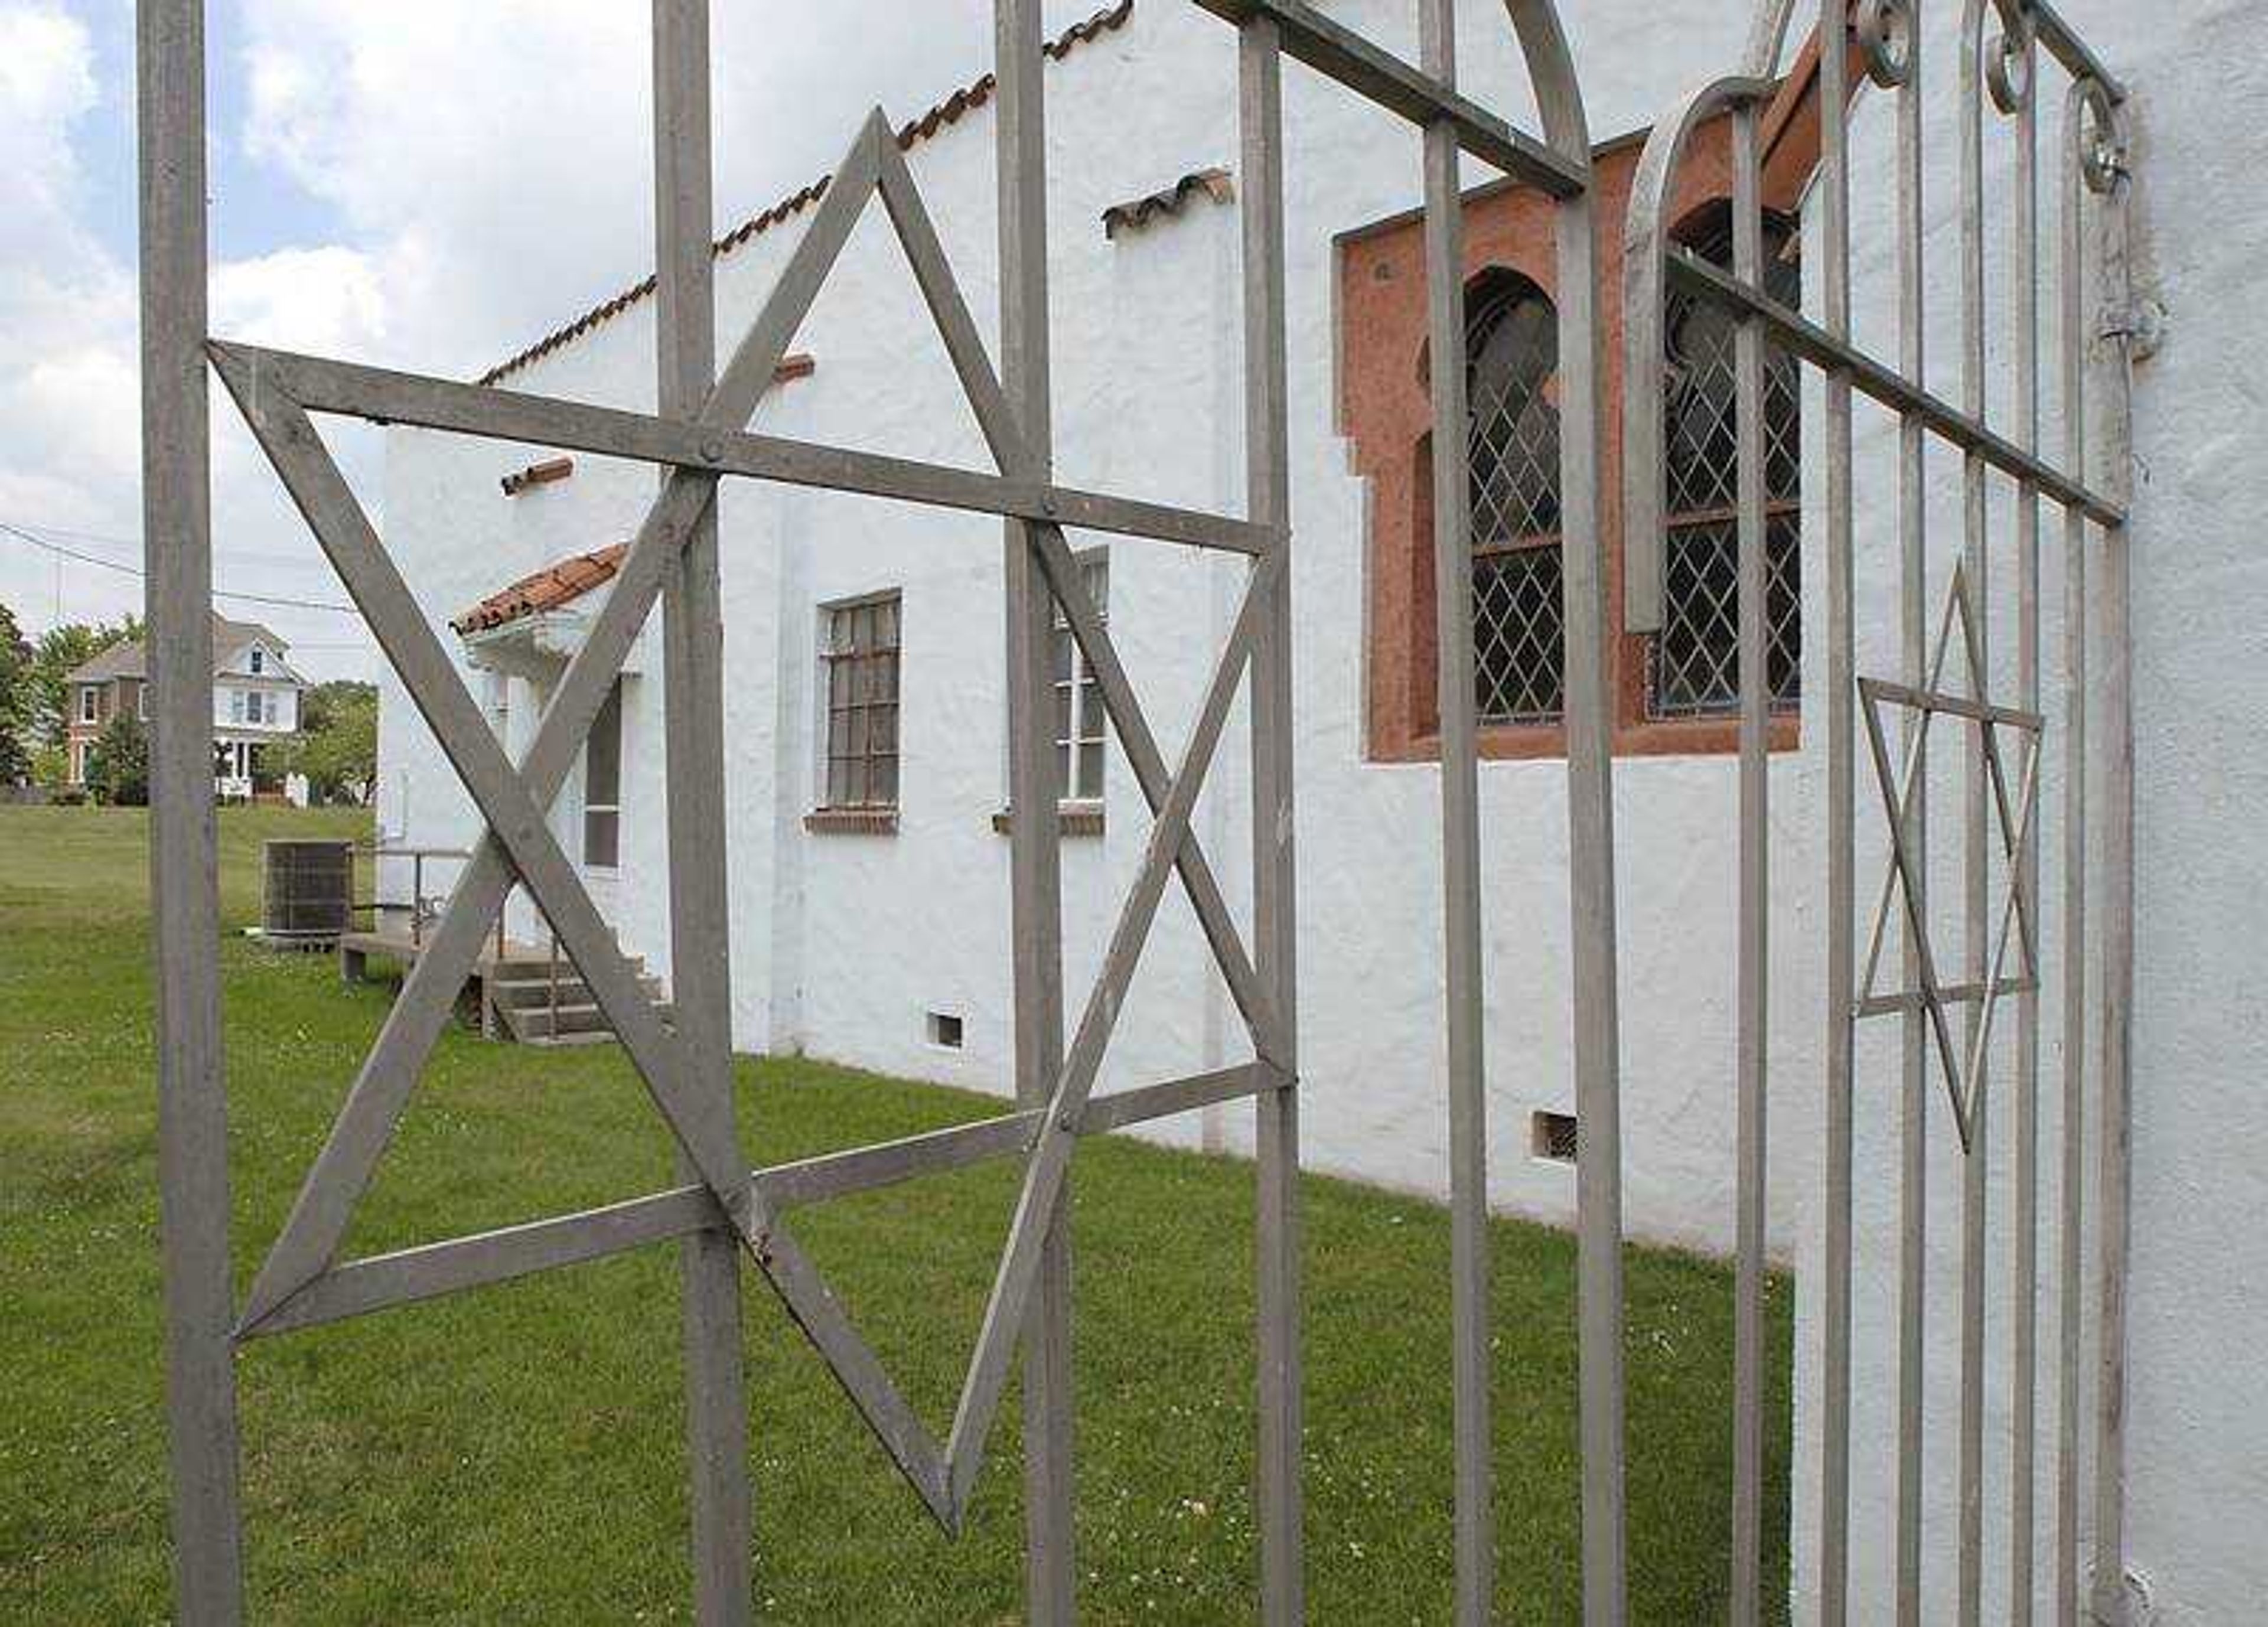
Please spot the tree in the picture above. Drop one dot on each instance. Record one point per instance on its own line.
(61, 650)
(118, 767)
(15, 700)
(337, 748)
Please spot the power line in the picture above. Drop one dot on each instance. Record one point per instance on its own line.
(61, 552)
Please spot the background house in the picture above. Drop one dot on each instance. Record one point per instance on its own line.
(255, 702)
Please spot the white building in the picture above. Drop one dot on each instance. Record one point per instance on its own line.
(865, 709)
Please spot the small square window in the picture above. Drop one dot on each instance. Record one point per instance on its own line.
(945, 1030)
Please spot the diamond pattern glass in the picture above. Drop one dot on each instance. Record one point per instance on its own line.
(1693, 665)
(1696, 670)
(1518, 644)
(1512, 439)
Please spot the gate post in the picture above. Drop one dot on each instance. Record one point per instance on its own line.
(1035, 829)
(700, 928)
(184, 883)
(1279, 1494)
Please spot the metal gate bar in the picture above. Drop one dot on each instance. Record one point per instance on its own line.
(1885, 37)
(1280, 1502)
(1035, 886)
(193, 1194)
(700, 928)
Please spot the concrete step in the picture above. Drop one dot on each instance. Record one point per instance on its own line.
(599, 1036)
(519, 992)
(542, 1022)
(524, 963)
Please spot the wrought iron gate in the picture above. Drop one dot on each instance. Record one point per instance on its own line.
(697, 436)
(1883, 40)
(724, 1211)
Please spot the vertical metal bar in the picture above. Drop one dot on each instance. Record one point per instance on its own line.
(2024, 1333)
(1976, 892)
(2116, 893)
(1268, 500)
(1461, 855)
(1035, 827)
(1834, 1398)
(1591, 887)
(2071, 1187)
(1753, 973)
(1913, 616)
(184, 883)
(700, 926)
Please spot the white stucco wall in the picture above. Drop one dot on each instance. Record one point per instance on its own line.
(842, 943)
(1148, 404)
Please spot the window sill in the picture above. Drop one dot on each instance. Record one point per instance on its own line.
(1077, 819)
(852, 821)
(1647, 737)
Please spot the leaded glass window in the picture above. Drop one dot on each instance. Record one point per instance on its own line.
(1512, 349)
(1693, 665)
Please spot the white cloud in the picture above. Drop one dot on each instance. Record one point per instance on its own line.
(482, 174)
(47, 80)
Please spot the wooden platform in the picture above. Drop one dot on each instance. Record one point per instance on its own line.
(517, 992)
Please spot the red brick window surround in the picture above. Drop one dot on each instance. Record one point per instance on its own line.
(1671, 699)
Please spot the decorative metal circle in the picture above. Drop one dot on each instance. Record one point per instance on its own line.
(1886, 34)
(2009, 65)
(2101, 139)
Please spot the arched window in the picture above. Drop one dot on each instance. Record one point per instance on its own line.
(1693, 665)
(1512, 349)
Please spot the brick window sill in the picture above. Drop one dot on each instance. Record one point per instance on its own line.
(1651, 737)
(852, 821)
(1077, 819)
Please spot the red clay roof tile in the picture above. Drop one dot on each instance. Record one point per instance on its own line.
(1137, 212)
(547, 589)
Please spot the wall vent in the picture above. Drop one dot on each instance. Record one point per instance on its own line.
(1551, 1137)
(945, 1029)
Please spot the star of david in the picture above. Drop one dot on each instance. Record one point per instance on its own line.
(302, 1281)
(1962, 1069)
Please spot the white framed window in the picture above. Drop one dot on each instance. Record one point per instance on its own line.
(90, 702)
(259, 660)
(858, 681)
(256, 706)
(602, 785)
(142, 701)
(1081, 725)
(236, 706)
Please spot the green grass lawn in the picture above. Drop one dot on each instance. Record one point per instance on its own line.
(515, 1454)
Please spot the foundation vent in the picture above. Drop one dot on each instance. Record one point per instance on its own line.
(1551, 1137)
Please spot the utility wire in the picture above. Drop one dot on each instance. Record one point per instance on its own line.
(61, 552)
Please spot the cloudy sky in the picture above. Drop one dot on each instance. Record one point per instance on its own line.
(424, 183)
